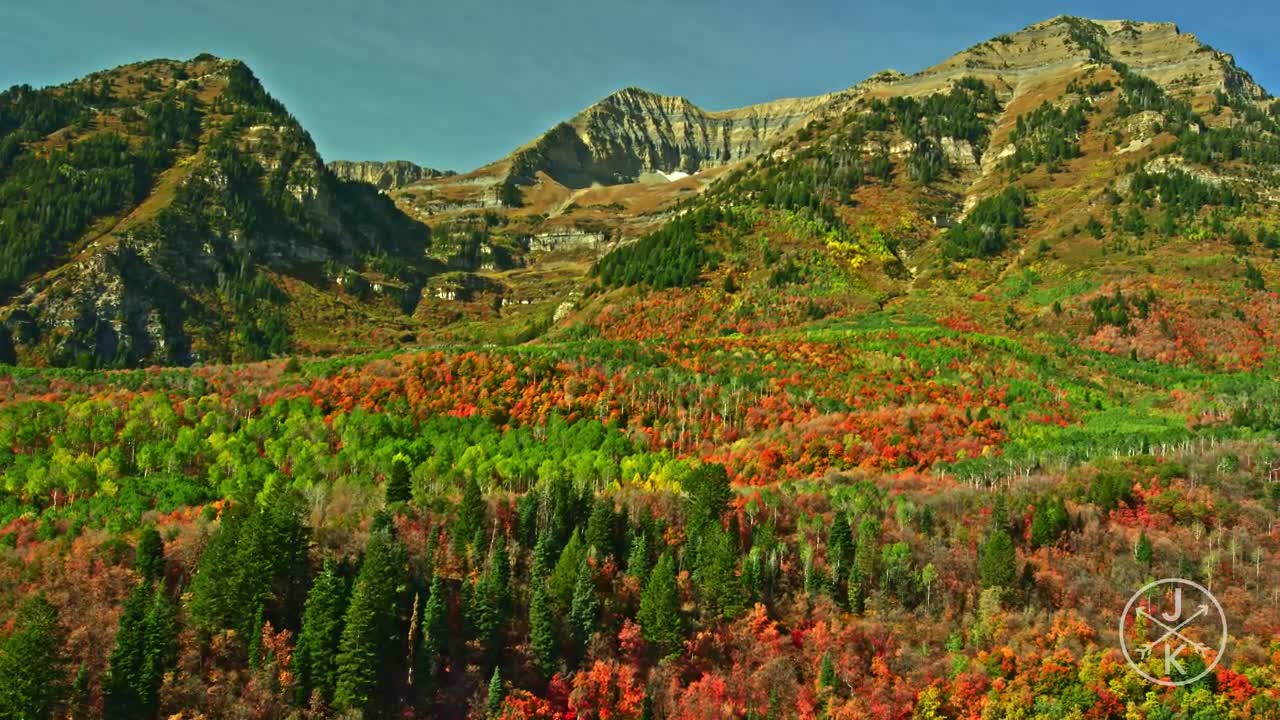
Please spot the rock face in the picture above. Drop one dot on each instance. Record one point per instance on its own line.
(1177, 61)
(384, 175)
(634, 132)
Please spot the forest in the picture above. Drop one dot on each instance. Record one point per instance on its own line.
(619, 529)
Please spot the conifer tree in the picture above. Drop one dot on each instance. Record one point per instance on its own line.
(659, 614)
(493, 704)
(600, 528)
(719, 586)
(997, 560)
(472, 513)
(435, 633)
(541, 631)
(33, 673)
(317, 647)
(122, 685)
(149, 557)
(370, 633)
(1142, 551)
(638, 559)
(146, 647)
(565, 575)
(488, 607)
(586, 606)
(867, 554)
(398, 488)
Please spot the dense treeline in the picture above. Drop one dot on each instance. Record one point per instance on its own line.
(1047, 135)
(989, 227)
(674, 255)
(1180, 193)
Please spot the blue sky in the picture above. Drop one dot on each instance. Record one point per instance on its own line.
(459, 83)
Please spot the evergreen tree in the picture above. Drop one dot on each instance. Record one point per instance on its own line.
(493, 704)
(719, 586)
(472, 513)
(827, 680)
(33, 673)
(398, 489)
(1049, 522)
(370, 634)
(997, 560)
(638, 558)
(318, 642)
(488, 607)
(867, 554)
(600, 528)
(435, 634)
(122, 688)
(149, 557)
(586, 606)
(1142, 551)
(659, 614)
(565, 575)
(541, 633)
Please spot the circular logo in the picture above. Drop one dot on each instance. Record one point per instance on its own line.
(1180, 624)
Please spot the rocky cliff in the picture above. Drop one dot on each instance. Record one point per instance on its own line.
(634, 132)
(384, 175)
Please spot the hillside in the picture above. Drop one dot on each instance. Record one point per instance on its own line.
(173, 212)
(891, 408)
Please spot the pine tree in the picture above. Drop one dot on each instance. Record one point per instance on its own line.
(149, 557)
(638, 558)
(827, 679)
(33, 672)
(565, 575)
(997, 560)
(720, 588)
(318, 642)
(586, 606)
(600, 528)
(488, 607)
(541, 632)
(122, 687)
(1049, 522)
(472, 513)
(867, 554)
(1142, 551)
(435, 633)
(398, 489)
(659, 614)
(493, 704)
(370, 626)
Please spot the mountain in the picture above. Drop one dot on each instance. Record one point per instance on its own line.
(384, 175)
(226, 237)
(633, 133)
(173, 212)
